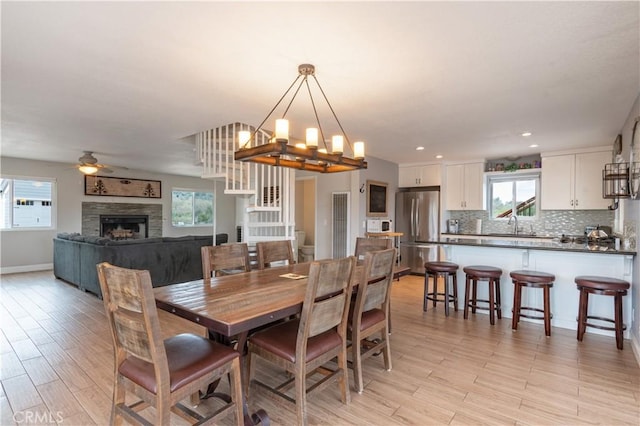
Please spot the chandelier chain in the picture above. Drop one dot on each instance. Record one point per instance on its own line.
(315, 112)
(333, 112)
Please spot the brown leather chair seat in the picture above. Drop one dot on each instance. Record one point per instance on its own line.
(281, 340)
(189, 357)
(604, 286)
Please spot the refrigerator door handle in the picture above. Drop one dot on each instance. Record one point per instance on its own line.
(417, 216)
(412, 218)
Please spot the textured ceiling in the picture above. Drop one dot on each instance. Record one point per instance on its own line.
(131, 81)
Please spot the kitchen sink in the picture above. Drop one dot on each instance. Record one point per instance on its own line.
(497, 234)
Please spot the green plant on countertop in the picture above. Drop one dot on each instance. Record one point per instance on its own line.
(511, 167)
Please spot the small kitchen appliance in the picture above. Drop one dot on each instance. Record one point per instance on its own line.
(453, 226)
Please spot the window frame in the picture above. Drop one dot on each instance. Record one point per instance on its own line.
(54, 198)
(194, 192)
(513, 177)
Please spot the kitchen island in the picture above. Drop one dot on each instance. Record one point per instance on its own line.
(564, 260)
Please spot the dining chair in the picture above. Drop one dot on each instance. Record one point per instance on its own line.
(226, 259)
(303, 346)
(370, 312)
(159, 372)
(274, 251)
(366, 245)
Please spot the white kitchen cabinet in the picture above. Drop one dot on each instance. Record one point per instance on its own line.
(573, 181)
(465, 187)
(429, 175)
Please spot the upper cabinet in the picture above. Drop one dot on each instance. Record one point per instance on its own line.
(429, 175)
(573, 181)
(465, 187)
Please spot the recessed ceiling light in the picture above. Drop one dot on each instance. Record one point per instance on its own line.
(438, 156)
(420, 148)
(535, 145)
(525, 134)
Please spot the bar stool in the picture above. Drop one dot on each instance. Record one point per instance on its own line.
(533, 279)
(445, 270)
(492, 276)
(607, 287)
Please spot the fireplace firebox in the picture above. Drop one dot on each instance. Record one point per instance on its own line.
(120, 227)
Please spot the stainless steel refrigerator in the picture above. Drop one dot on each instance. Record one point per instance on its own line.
(418, 218)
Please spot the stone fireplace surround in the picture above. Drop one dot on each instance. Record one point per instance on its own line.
(91, 216)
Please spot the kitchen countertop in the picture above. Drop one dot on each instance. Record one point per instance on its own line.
(551, 244)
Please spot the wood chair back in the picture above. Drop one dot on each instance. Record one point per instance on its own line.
(370, 312)
(131, 311)
(274, 251)
(161, 373)
(226, 259)
(319, 335)
(366, 245)
(326, 302)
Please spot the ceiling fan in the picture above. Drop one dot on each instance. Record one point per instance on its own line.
(88, 164)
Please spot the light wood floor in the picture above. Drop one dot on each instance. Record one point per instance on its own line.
(57, 363)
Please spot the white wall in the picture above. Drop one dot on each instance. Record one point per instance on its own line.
(22, 251)
(630, 210)
(351, 182)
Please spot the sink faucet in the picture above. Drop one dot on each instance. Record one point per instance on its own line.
(515, 219)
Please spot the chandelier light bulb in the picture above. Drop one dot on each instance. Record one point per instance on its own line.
(312, 137)
(243, 138)
(358, 149)
(337, 144)
(282, 129)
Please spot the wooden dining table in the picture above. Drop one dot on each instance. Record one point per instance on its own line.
(230, 306)
(234, 304)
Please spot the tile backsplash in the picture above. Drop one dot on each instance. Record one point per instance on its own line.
(549, 222)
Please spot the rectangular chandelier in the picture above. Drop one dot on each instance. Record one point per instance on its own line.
(278, 150)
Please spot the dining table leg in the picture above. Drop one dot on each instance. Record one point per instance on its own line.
(260, 416)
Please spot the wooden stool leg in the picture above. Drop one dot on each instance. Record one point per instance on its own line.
(492, 306)
(516, 305)
(498, 301)
(582, 313)
(426, 291)
(466, 297)
(446, 294)
(436, 275)
(618, 320)
(455, 291)
(547, 312)
(474, 296)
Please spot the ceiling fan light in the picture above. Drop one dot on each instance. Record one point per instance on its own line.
(88, 169)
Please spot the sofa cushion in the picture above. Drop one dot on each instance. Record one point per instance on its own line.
(138, 241)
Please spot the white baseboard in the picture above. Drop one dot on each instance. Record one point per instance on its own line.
(26, 268)
(635, 346)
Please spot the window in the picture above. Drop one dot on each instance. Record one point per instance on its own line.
(517, 195)
(191, 208)
(26, 203)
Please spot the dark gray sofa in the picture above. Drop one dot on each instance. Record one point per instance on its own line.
(169, 260)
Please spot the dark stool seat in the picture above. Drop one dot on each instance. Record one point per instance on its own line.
(490, 274)
(445, 270)
(604, 286)
(534, 279)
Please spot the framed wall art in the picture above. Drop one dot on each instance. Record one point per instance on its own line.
(376, 199)
(122, 187)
